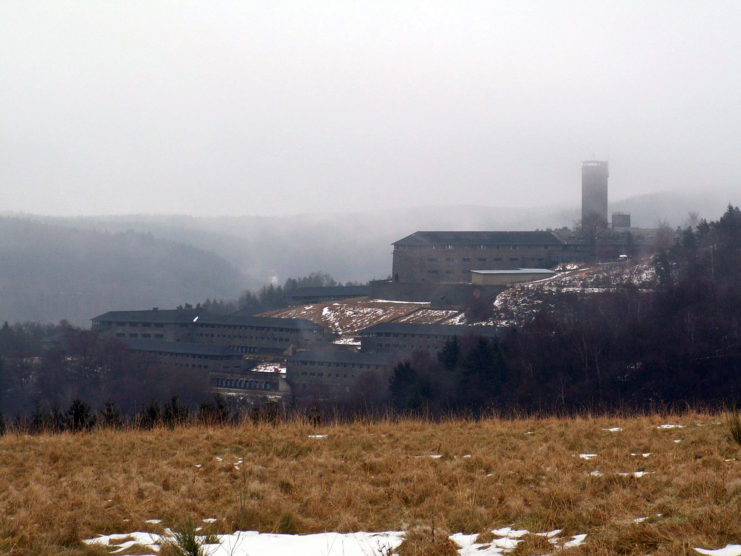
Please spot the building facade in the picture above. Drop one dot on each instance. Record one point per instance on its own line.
(402, 339)
(449, 257)
(244, 334)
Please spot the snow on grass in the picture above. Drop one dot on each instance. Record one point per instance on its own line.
(253, 543)
(643, 454)
(506, 540)
(670, 426)
(728, 550)
(576, 540)
(317, 436)
(587, 456)
(613, 429)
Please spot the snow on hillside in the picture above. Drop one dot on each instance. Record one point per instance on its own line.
(348, 317)
(512, 307)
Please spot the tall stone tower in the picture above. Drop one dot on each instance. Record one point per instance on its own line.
(594, 174)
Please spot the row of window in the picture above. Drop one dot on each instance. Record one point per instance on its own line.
(332, 364)
(244, 384)
(329, 375)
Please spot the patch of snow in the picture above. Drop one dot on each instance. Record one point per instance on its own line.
(613, 429)
(198, 465)
(252, 543)
(510, 533)
(317, 436)
(210, 520)
(644, 454)
(576, 540)
(153, 521)
(728, 550)
(677, 440)
(270, 367)
(596, 473)
(636, 474)
(347, 341)
(670, 426)
(587, 456)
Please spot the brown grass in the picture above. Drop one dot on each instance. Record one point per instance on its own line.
(58, 489)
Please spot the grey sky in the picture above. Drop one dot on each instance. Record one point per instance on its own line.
(277, 107)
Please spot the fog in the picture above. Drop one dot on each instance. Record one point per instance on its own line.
(274, 108)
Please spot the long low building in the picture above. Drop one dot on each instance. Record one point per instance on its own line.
(246, 334)
(190, 355)
(328, 374)
(402, 338)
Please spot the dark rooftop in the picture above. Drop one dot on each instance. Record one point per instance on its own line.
(183, 316)
(433, 329)
(479, 238)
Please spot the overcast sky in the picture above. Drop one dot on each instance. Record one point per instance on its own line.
(247, 107)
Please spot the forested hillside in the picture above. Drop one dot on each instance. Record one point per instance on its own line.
(50, 272)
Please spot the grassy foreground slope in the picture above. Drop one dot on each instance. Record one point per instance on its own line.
(407, 475)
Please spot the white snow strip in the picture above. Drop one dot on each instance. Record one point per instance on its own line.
(596, 473)
(728, 550)
(587, 456)
(153, 521)
(677, 440)
(636, 474)
(510, 533)
(317, 436)
(643, 455)
(670, 426)
(613, 429)
(210, 520)
(252, 543)
(576, 540)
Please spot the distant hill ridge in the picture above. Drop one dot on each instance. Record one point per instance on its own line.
(50, 272)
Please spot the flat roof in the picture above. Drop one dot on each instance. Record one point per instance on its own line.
(480, 238)
(516, 271)
(199, 316)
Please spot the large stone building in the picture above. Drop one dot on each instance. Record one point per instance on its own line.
(331, 374)
(244, 334)
(403, 338)
(449, 257)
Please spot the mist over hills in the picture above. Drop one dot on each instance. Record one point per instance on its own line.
(51, 272)
(74, 268)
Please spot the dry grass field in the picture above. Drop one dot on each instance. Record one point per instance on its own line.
(629, 484)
